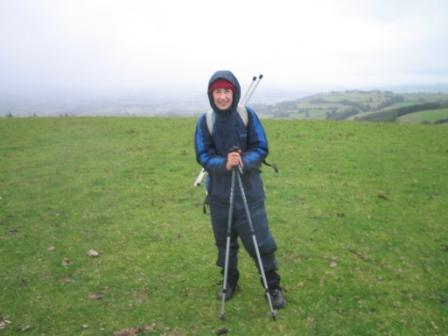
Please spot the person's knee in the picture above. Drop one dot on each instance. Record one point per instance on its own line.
(233, 254)
(269, 262)
(267, 246)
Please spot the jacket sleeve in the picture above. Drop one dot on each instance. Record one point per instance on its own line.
(258, 148)
(206, 154)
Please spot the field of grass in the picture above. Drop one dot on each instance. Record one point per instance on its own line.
(425, 116)
(359, 212)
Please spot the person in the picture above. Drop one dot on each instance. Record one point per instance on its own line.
(214, 153)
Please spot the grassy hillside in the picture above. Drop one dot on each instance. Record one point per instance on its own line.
(429, 116)
(359, 212)
(362, 105)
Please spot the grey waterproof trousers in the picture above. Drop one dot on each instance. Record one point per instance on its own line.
(241, 228)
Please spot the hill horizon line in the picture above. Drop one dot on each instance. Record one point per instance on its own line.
(174, 101)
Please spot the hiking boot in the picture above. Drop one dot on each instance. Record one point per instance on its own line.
(277, 299)
(229, 293)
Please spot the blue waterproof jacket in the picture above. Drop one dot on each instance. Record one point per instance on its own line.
(229, 131)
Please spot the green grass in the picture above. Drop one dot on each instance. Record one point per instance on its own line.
(425, 116)
(359, 212)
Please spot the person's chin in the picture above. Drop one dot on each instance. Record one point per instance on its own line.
(223, 107)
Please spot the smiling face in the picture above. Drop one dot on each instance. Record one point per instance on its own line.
(223, 98)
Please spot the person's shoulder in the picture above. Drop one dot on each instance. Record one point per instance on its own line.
(252, 115)
(250, 109)
(201, 117)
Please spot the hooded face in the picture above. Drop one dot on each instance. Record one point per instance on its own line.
(224, 98)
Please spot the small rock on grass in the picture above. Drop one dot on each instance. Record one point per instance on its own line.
(4, 322)
(96, 296)
(129, 332)
(221, 331)
(137, 331)
(25, 328)
(93, 253)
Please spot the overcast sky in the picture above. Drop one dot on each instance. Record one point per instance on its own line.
(91, 45)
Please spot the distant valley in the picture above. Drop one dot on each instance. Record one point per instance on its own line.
(424, 105)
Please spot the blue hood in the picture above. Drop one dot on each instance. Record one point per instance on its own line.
(230, 77)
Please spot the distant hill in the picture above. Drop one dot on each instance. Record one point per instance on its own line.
(150, 102)
(372, 105)
(269, 102)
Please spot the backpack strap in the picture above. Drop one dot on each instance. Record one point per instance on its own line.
(242, 110)
(210, 120)
(210, 117)
(272, 165)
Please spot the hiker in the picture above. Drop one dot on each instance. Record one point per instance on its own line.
(214, 153)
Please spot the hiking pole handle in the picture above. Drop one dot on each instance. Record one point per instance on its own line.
(237, 150)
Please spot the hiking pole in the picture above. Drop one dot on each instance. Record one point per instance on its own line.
(245, 96)
(250, 91)
(257, 251)
(200, 177)
(226, 260)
